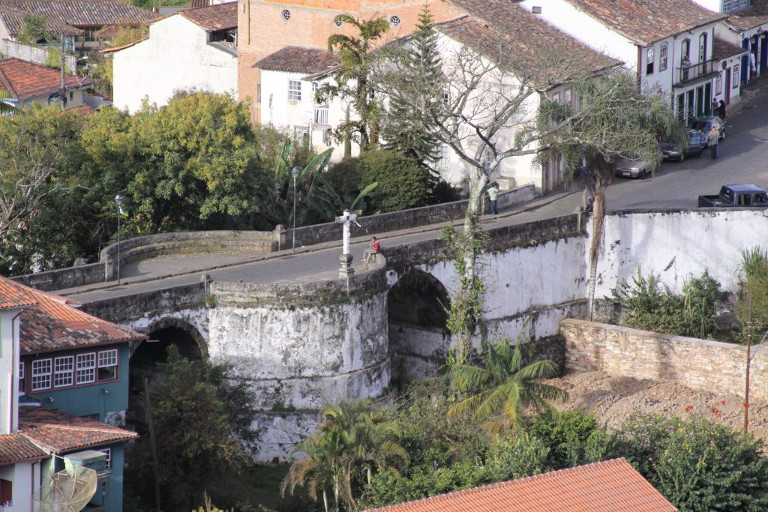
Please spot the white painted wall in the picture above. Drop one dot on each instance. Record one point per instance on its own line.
(696, 240)
(9, 367)
(175, 57)
(296, 117)
(25, 477)
(583, 27)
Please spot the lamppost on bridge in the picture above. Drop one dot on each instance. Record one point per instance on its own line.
(295, 173)
(345, 259)
(119, 203)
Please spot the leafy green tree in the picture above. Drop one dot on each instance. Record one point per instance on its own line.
(696, 464)
(35, 30)
(500, 391)
(202, 422)
(353, 80)
(574, 439)
(39, 153)
(419, 78)
(198, 167)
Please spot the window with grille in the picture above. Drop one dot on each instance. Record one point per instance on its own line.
(86, 368)
(63, 371)
(736, 76)
(294, 90)
(663, 56)
(108, 453)
(107, 365)
(41, 374)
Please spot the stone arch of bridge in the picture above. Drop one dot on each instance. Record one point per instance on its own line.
(418, 332)
(169, 331)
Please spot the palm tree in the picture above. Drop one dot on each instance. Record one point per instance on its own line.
(504, 387)
(352, 433)
(353, 78)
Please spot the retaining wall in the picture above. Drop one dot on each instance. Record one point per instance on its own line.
(697, 364)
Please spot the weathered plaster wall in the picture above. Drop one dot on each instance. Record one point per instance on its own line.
(697, 364)
(304, 345)
(696, 240)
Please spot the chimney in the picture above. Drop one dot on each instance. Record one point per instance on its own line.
(9, 370)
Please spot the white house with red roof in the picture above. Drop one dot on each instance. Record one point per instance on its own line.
(671, 45)
(190, 49)
(23, 83)
(497, 32)
(62, 374)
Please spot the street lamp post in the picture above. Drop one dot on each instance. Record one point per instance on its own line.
(119, 202)
(295, 173)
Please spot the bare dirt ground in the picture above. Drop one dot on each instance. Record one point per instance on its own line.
(613, 399)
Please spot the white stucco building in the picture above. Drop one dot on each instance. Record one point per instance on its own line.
(671, 45)
(191, 49)
(497, 36)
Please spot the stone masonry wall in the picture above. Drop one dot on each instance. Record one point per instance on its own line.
(697, 364)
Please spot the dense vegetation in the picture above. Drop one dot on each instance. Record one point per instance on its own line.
(196, 164)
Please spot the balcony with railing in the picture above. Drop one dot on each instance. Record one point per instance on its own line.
(321, 115)
(693, 72)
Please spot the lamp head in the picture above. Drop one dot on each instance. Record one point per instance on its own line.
(295, 172)
(119, 200)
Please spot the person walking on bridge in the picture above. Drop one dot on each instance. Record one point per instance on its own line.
(493, 195)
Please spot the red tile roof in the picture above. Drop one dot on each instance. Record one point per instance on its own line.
(17, 448)
(513, 38)
(11, 296)
(24, 80)
(13, 19)
(215, 17)
(645, 22)
(52, 324)
(601, 487)
(84, 13)
(723, 49)
(59, 432)
(751, 17)
(299, 59)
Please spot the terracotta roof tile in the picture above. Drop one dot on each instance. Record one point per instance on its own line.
(13, 19)
(215, 17)
(601, 487)
(723, 49)
(17, 448)
(11, 296)
(24, 80)
(751, 17)
(513, 38)
(645, 22)
(83, 109)
(52, 323)
(83, 13)
(299, 59)
(60, 432)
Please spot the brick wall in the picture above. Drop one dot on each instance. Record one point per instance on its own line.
(697, 364)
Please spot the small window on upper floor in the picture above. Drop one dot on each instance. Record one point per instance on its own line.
(649, 55)
(294, 91)
(663, 56)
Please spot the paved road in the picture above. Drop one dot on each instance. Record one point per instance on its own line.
(743, 159)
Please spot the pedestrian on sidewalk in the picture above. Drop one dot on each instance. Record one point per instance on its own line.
(712, 139)
(721, 110)
(493, 195)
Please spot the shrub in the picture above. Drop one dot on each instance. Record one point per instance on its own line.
(696, 464)
(573, 440)
(649, 305)
(753, 281)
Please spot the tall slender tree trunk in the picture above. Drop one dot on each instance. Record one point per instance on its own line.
(325, 500)
(598, 218)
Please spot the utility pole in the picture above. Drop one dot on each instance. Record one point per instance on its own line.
(63, 83)
(749, 360)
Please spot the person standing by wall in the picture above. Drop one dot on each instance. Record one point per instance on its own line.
(493, 195)
(721, 110)
(712, 139)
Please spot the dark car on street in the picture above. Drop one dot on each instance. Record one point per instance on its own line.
(697, 141)
(704, 125)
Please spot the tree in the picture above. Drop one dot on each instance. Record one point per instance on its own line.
(351, 434)
(39, 153)
(504, 387)
(35, 30)
(613, 119)
(353, 83)
(202, 421)
(419, 63)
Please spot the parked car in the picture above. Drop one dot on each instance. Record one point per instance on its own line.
(704, 125)
(736, 195)
(632, 168)
(697, 141)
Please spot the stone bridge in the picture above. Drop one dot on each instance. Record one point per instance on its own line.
(302, 338)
